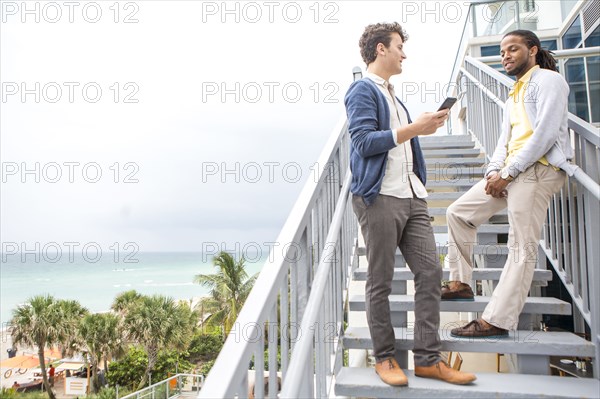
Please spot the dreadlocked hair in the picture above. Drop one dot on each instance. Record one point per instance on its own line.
(544, 58)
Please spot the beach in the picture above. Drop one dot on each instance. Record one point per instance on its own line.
(95, 285)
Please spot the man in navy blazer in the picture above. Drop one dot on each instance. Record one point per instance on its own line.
(388, 198)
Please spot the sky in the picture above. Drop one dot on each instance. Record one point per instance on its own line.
(181, 125)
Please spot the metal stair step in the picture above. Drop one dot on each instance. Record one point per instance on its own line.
(484, 228)
(404, 273)
(447, 138)
(445, 196)
(441, 211)
(463, 183)
(363, 382)
(453, 162)
(453, 172)
(444, 145)
(522, 342)
(483, 249)
(464, 152)
(406, 303)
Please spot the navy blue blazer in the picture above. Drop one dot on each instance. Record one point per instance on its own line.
(371, 139)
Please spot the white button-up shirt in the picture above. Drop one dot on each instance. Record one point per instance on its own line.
(399, 176)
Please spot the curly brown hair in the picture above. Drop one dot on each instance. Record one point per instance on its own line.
(375, 34)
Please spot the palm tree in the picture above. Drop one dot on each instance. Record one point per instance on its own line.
(101, 338)
(124, 300)
(229, 288)
(158, 322)
(71, 313)
(43, 322)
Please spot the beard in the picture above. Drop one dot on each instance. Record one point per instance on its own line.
(517, 69)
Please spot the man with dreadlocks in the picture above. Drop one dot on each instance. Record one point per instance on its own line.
(528, 167)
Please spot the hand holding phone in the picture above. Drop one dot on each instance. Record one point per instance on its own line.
(448, 103)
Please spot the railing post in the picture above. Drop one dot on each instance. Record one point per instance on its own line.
(303, 272)
(272, 346)
(592, 205)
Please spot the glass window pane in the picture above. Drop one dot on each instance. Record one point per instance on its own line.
(549, 44)
(575, 76)
(593, 67)
(490, 50)
(593, 39)
(572, 36)
(566, 6)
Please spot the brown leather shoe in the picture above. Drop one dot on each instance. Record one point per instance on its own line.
(390, 373)
(457, 291)
(441, 371)
(478, 329)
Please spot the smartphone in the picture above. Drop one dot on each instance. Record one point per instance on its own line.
(448, 103)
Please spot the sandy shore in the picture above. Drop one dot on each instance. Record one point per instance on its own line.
(6, 343)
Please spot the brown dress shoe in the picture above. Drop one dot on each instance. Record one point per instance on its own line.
(441, 371)
(478, 329)
(390, 373)
(457, 292)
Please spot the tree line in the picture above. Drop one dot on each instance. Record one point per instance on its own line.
(148, 327)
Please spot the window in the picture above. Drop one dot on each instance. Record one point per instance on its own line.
(593, 71)
(593, 39)
(575, 75)
(572, 37)
(549, 44)
(490, 50)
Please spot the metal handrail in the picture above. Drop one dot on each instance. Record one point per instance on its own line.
(558, 54)
(285, 283)
(151, 390)
(588, 131)
(293, 385)
(464, 30)
(460, 53)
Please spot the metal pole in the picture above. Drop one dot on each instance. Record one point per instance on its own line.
(517, 14)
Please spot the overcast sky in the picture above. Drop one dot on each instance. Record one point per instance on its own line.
(173, 125)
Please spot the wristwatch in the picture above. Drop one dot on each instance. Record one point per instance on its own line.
(505, 175)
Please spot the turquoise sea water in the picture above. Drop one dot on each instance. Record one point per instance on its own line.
(95, 285)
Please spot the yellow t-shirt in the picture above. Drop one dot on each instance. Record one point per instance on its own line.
(521, 129)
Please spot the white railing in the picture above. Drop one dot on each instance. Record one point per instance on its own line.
(324, 308)
(174, 386)
(297, 303)
(570, 235)
(557, 54)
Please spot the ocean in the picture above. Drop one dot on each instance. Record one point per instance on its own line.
(95, 285)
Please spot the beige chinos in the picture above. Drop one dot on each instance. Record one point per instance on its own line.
(527, 202)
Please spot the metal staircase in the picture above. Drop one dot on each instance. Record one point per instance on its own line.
(307, 288)
(452, 171)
